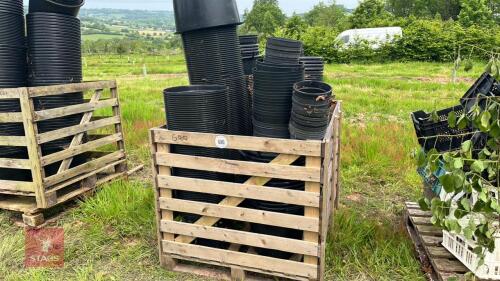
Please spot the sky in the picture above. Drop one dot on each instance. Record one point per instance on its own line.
(289, 6)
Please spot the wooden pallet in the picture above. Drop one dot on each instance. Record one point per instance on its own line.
(104, 149)
(437, 262)
(240, 261)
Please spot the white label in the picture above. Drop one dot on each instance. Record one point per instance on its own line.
(221, 142)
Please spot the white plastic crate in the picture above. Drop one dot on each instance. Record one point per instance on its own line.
(462, 249)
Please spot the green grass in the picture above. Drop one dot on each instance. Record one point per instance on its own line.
(112, 236)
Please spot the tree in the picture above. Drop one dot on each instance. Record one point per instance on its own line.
(368, 12)
(475, 12)
(294, 27)
(264, 18)
(331, 15)
(446, 9)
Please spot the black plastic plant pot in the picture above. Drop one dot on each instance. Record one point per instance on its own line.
(249, 39)
(12, 6)
(286, 43)
(200, 14)
(65, 7)
(312, 89)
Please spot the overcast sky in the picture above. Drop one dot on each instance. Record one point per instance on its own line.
(289, 6)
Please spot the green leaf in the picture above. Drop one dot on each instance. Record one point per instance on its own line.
(424, 204)
(483, 197)
(452, 119)
(466, 147)
(458, 163)
(448, 182)
(478, 166)
(468, 232)
(462, 122)
(465, 204)
(485, 120)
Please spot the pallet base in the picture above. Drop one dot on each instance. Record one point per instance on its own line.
(437, 262)
(216, 271)
(32, 216)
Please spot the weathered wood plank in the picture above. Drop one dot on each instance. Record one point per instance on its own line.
(272, 194)
(84, 168)
(241, 214)
(419, 213)
(429, 230)
(309, 212)
(77, 129)
(70, 88)
(439, 252)
(76, 150)
(296, 147)
(431, 240)
(13, 141)
(241, 237)
(446, 265)
(11, 163)
(34, 150)
(11, 117)
(19, 186)
(239, 167)
(228, 258)
(73, 109)
(421, 220)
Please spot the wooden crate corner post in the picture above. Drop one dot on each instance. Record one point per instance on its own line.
(165, 259)
(34, 151)
(122, 168)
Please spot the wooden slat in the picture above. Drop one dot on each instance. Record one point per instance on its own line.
(11, 117)
(295, 147)
(239, 167)
(282, 159)
(18, 186)
(241, 237)
(447, 265)
(429, 230)
(12, 93)
(421, 220)
(84, 176)
(246, 191)
(13, 141)
(73, 109)
(11, 163)
(76, 150)
(419, 213)
(34, 150)
(70, 88)
(309, 212)
(228, 258)
(84, 168)
(73, 130)
(241, 214)
(439, 252)
(431, 240)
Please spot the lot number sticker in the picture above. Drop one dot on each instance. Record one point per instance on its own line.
(221, 142)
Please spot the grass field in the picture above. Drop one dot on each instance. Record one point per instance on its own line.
(93, 37)
(112, 236)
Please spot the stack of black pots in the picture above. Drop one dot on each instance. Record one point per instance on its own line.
(211, 46)
(54, 57)
(272, 98)
(201, 109)
(311, 110)
(314, 67)
(249, 45)
(283, 51)
(12, 66)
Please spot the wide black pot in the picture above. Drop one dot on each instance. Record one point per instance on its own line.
(65, 7)
(200, 14)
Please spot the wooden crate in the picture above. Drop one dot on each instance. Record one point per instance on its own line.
(105, 148)
(240, 260)
(437, 262)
